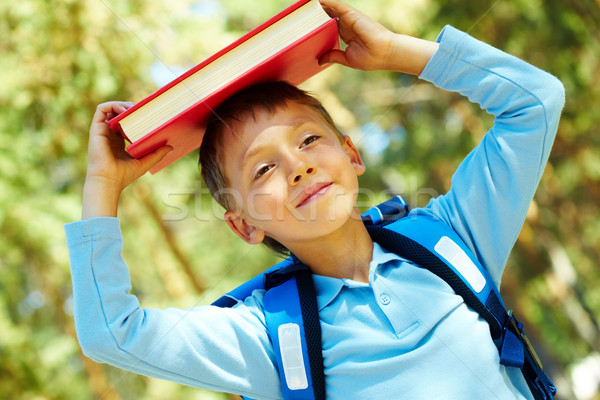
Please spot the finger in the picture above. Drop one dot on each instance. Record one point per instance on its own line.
(127, 104)
(346, 17)
(330, 11)
(335, 7)
(151, 159)
(104, 113)
(111, 107)
(334, 56)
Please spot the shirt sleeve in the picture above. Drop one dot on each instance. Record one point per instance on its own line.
(493, 187)
(214, 348)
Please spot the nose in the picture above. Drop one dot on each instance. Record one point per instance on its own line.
(302, 170)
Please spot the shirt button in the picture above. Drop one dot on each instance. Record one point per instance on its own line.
(384, 299)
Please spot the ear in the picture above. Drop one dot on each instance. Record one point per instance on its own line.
(249, 233)
(354, 155)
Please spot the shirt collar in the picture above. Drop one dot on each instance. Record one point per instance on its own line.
(327, 288)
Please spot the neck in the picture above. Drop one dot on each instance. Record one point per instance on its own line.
(345, 253)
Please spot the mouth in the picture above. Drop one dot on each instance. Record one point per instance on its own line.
(313, 192)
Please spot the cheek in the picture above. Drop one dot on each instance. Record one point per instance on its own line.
(265, 202)
(340, 163)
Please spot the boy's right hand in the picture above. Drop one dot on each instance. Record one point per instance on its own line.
(110, 167)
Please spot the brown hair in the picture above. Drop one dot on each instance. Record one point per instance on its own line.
(265, 96)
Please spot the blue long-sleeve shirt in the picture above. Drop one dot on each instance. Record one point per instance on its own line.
(405, 334)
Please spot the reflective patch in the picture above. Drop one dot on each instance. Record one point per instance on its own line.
(452, 252)
(290, 347)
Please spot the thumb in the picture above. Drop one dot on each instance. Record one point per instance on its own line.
(334, 56)
(151, 159)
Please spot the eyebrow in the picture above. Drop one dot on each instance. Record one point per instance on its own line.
(256, 150)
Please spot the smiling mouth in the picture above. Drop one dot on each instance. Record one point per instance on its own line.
(313, 192)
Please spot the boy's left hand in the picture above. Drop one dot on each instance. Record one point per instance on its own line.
(368, 42)
(371, 46)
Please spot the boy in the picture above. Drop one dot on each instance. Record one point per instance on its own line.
(389, 329)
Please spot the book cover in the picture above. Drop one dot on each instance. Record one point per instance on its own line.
(297, 62)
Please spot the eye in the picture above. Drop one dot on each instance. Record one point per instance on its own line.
(263, 170)
(310, 139)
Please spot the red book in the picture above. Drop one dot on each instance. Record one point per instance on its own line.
(286, 47)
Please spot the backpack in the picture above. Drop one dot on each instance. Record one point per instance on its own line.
(291, 310)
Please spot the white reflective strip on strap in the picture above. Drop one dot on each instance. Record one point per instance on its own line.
(401, 200)
(452, 252)
(290, 347)
(376, 215)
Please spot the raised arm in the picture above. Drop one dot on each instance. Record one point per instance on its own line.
(209, 347)
(493, 187)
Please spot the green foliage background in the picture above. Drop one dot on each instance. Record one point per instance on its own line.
(60, 59)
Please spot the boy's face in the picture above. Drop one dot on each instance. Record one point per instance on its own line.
(292, 176)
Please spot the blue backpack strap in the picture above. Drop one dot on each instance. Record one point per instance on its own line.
(435, 246)
(292, 317)
(390, 210)
(290, 304)
(245, 290)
